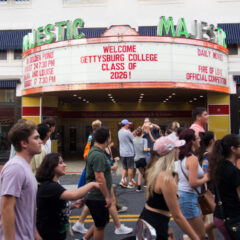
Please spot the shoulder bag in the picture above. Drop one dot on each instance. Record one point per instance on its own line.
(232, 224)
(205, 200)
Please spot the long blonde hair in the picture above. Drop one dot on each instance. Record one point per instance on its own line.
(163, 164)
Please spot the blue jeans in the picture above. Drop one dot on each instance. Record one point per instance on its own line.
(189, 204)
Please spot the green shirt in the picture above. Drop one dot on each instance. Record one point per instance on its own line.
(97, 162)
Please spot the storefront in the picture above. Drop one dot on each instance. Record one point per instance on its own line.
(161, 72)
(9, 113)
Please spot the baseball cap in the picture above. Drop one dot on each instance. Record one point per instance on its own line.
(164, 145)
(125, 121)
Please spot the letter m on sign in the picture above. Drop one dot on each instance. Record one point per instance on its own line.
(165, 27)
(26, 43)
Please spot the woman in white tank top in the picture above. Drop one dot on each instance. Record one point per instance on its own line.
(191, 177)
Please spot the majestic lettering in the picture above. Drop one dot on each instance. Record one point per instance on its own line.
(200, 30)
(67, 30)
(51, 33)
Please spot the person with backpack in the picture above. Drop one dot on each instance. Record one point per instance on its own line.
(140, 148)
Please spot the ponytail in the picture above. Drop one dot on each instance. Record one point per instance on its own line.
(206, 138)
(216, 162)
(188, 135)
(221, 151)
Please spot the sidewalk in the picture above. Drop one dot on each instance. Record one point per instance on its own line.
(75, 166)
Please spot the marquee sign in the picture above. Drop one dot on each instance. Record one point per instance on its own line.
(123, 62)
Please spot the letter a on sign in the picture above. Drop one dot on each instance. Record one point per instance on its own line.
(181, 28)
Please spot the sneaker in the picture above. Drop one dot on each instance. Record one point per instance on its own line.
(79, 227)
(133, 182)
(138, 189)
(123, 183)
(123, 230)
(122, 209)
(130, 185)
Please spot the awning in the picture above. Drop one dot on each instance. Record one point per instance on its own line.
(92, 32)
(8, 83)
(237, 79)
(147, 30)
(232, 31)
(12, 39)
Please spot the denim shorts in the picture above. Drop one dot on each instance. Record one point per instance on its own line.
(189, 204)
(128, 162)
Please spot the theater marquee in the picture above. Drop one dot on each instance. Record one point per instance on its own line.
(150, 61)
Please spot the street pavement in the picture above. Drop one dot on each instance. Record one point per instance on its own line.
(128, 197)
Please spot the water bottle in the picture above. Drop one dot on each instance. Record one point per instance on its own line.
(205, 165)
(185, 236)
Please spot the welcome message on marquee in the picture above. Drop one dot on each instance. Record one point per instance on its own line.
(116, 62)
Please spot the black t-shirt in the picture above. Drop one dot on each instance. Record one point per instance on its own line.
(229, 181)
(52, 212)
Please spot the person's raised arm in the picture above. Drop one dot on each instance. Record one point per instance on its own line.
(76, 194)
(8, 217)
(155, 126)
(192, 165)
(130, 136)
(170, 195)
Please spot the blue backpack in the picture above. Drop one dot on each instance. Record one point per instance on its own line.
(82, 179)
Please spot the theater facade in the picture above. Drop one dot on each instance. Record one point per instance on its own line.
(79, 74)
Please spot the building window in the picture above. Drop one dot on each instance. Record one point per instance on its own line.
(22, 1)
(228, 1)
(3, 54)
(161, 1)
(232, 49)
(17, 54)
(82, 1)
(7, 95)
(12, 2)
(5, 126)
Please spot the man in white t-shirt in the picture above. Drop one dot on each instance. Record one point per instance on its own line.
(52, 124)
(44, 132)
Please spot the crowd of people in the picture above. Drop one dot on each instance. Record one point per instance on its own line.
(174, 168)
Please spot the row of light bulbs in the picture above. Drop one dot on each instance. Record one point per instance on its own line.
(140, 97)
(195, 99)
(169, 97)
(79, 97)
(111, 98)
